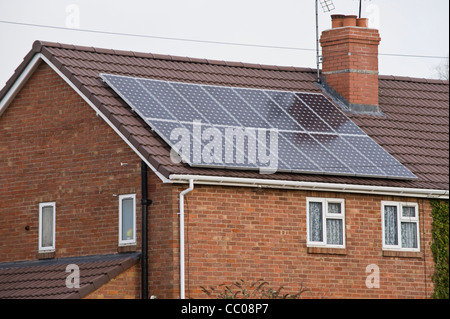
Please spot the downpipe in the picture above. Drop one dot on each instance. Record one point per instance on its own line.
(145, 202)
(182, 257)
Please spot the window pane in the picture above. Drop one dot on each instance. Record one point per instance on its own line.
(409, 235)
(127, 219)
(315, 222)
(334, 208)
(409, 211)
(47, 226)
(335, 232)
(390, 225)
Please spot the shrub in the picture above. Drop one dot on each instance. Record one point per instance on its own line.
(257, 290)
(439, 247)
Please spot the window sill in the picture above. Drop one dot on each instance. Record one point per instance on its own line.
(126, 248)
(46, 254)
(403, 254)
(327, 251)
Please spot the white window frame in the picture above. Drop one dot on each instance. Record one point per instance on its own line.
(126, 242)
(325, 215)
(52, 247)
(400, 219)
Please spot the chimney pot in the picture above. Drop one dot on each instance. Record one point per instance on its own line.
(350, 21)
(362, 22)
(337, 20)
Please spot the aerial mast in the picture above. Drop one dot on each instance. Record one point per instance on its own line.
(360, 7)
(327, 6)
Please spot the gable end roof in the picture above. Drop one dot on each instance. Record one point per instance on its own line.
(414, 129)
(46, 279)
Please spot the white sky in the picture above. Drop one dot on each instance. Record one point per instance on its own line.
(407, 27)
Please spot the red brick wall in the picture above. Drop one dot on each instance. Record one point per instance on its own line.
(124, 286)
(163, 240)
(53, 147)
(241, 233)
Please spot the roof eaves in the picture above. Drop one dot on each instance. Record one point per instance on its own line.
(315, 186)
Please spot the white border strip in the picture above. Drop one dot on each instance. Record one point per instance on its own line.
(25, 75)
(163, 179)
(325, 187)
(20, 82)
(43, 249)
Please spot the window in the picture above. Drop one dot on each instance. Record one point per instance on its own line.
(400, 226)
(127, 219)
(325, 222)
(46, 227)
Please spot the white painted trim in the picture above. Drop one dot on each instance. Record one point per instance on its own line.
(163, 179)
(125, 242)
(19, 83)
(52, 247)
(308, 240)
(314, 186)
(326, 215)
(4, 103)
(401, 219)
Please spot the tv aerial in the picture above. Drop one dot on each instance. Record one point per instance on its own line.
(327, 6)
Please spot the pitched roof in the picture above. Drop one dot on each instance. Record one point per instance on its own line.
(46, 279)
(414, 129)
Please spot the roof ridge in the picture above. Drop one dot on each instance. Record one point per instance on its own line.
(38, 45)
(412, 79)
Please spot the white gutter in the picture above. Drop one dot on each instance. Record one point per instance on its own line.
(326, 187)
(181, 213)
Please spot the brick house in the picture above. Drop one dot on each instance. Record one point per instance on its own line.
(82, 175)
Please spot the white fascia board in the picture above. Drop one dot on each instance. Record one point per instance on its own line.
(162, 177)
(31, 67)
(19, 83)
(312, 186)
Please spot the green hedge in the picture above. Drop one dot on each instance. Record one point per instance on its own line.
(439, 247)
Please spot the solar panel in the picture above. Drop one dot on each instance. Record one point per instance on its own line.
(335, 119)
(299, 112)
(169, 100)
(268, 110)
(252, 129)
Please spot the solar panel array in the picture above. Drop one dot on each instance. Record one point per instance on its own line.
(240, 128)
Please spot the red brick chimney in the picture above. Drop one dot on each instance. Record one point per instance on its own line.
(350, 62)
